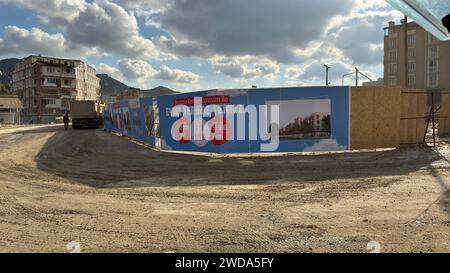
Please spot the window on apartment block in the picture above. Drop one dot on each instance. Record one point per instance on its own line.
(433, 66)
(392, 81)
(432, 80)
(50, 69)
(411, 80)
(392, 43)
(67, 82)
(51, 80)
(412, 39)
(411, 52)
(393, 56)
(433, 51)
(411, 66)
(393, 68)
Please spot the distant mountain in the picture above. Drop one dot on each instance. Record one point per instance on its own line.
(111, 86)
(6, 68)
(158, 91)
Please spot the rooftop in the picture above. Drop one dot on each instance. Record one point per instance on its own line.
(10, 102)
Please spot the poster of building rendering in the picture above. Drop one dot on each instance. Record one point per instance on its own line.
(304, 119)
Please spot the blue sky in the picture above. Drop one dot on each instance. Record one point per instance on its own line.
(202, 44)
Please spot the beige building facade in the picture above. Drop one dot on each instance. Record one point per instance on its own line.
(428, 59)
(46, 85)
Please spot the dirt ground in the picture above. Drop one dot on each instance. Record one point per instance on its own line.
(112, 195)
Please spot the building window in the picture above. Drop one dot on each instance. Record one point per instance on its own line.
(411, 52)
(392, 81)
(393, 68)
(433, 39)
(432, 80)
(393, 43)
(411, 80)
(49, 101)
(433, 66)
(412, 39)
(50, 69)
(411, 66)
(393, 56)
(433, 51)
(51, 80)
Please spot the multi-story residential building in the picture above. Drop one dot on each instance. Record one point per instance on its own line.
(315, 121)
(46, 85)
(427, 58)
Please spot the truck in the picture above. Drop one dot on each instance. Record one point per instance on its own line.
(85, 114)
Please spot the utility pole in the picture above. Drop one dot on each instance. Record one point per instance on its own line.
(327, 83)
(357, 72)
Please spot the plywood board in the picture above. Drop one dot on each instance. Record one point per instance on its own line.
(444, 121)
(375, 117)
(413, 121)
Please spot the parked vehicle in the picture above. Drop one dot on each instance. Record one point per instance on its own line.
(85, 114)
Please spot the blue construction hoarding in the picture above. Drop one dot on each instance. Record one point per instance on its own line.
(309, 119)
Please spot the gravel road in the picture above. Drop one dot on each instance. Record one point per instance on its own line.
(112, 195)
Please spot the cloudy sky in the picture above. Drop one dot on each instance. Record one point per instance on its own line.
(192, 45)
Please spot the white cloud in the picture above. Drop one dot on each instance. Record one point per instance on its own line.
(246, 67)
(111, 71)
(176, 75)
(51, 10)
(102, 24)
(314, 73)
(240, 28)
(35, 41)
(136, 69)
(141, 72)
(112, 28)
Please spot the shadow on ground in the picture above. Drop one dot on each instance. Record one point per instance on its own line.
(102, 160)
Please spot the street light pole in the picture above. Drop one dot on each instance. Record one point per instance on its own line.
(327, 83)
(345, 75)
(357, 72)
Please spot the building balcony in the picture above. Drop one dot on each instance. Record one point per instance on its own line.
(73, 85)
(46, 84)
(68, 75)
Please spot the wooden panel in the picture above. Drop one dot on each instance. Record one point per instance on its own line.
(444, 123)
(375, 117)
(421, 111)
(413, 106)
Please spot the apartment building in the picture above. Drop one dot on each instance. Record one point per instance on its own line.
(46, 85)
(428, 59)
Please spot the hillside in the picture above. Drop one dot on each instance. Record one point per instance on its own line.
(158, 91)
(111, 86)
(6, 68)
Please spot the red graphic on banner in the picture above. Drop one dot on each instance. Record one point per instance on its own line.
(183, 132)
(205, 100)
(222, 127)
